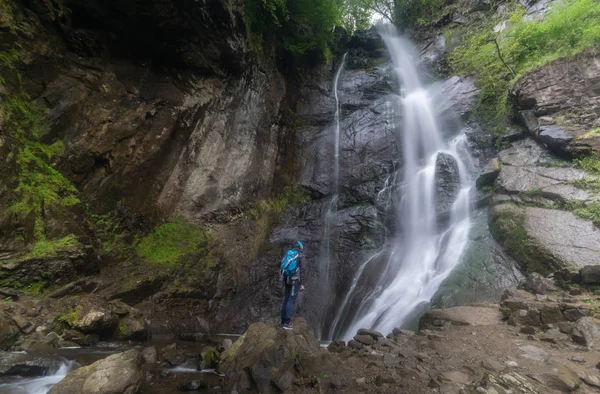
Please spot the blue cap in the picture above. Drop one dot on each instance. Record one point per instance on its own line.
(300, 244)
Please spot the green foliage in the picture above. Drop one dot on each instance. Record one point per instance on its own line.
(587, 184)
(487, 189)
(71, 316)
(277, 204)
(39, 183)
(298, 27)
(45, 248)
(570, 27)
(34, 288)
(409, 13)
(169, 242)
(590, 134)
(590, 164)
(590, 212)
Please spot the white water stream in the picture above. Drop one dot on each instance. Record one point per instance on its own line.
(425, 251)
(40, 385)
(331, 215)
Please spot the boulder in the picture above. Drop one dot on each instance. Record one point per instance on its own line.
(9, 331)
(149, 355)
(117, 374)
(461, 316)
(364, 339)
(273, 358)
(586, 332)
(556, 138)
(447, 183)
(374, 334)
(95, 315)
(548, 246)
(590, 275)
(489, 174)
(172, 355)
(537, 284)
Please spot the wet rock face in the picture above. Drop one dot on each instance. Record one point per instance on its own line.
(564, 93)
(447, 183)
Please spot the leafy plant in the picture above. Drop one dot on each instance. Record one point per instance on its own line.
(500, 59)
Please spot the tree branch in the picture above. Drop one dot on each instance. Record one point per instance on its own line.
(502, 59)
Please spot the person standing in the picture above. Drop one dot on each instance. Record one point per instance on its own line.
(292, 271)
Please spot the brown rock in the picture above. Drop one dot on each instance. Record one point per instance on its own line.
(364, 339)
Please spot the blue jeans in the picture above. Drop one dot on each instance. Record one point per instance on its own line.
(287, 308)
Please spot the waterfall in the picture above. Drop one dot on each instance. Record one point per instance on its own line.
(39, 385)
(411, 267)
(331, 215)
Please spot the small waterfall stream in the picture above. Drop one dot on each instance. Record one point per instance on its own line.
(39, 385)
(331, 215)
(385, 294)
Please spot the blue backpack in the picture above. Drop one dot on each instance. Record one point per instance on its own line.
(289, 264)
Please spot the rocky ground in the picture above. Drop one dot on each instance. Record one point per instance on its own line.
(540, 338)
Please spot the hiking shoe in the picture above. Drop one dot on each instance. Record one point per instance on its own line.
(288, 326)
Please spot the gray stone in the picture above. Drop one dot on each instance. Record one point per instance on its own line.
(172, 355)
(119, 373)
(554, 336)
(565, 327)
(364, 339)
(461, 316)
(562, 378)
(551, 314)
(577, 359)
(528, 330)
(447, 180)
(537, 284)
(149, 355)
(489, 174)
(456, 377)
(227, 343)
(352, 344)
(493, 365)
(556, 138)
(375, 334)
(590, 275)
(533, 353)
(574, 314)
(586, 332)
(530, 122)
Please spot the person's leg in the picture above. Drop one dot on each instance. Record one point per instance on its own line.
(286, 295)
(295, 288)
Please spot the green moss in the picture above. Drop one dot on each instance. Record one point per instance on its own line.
(71, 316)
(590, 212)
(590, 164)
(39, 183)
(123, 329)
(586, 184)
(535, 192)
(35, 287)
(169, 242)
(589, 134)
(288, 197)
(569, 28)
(45, 248)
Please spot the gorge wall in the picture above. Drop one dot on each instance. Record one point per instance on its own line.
(126, 124)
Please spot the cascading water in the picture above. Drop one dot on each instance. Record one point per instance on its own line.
(39, 385)
(427, 247)
(331, 216)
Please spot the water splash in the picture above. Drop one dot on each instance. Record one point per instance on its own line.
(426, 248)
(39, 385)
